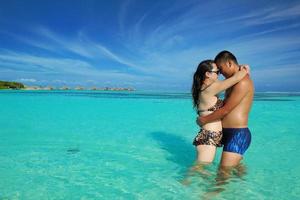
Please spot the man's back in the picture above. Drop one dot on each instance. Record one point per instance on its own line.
(238, 117)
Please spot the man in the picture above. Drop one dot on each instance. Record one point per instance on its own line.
(234, 114)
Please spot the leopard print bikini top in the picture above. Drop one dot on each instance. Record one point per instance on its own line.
(215, 107)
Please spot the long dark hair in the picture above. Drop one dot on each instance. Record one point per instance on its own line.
(199, 77)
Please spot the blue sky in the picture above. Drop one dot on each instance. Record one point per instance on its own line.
(148, 45)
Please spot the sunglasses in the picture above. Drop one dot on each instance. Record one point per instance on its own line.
(217, 72)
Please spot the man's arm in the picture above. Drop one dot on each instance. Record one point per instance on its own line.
(238, 93)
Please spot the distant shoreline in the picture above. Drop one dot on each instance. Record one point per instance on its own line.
(8, 85)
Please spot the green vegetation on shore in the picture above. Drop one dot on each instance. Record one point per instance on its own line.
(11, 85)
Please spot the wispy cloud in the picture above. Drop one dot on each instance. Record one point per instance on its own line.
(271, 13)
(84, 47)
(280, 13)
(27, 80)
(36, 66)
(115, 57)
(78, 47)
(51, 65)
(286, 77)
(123, 14)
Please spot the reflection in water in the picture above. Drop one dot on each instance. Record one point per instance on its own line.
(210, 181)
(225, 175)
(197, 169)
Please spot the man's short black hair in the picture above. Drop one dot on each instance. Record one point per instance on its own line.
(225, 56)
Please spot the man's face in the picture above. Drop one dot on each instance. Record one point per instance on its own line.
(224, 68)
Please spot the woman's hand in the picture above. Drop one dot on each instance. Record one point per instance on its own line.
(241, 73)
(246, 67)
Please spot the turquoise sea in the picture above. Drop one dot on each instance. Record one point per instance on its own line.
(137, 145)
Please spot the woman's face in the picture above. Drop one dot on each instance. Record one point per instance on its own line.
(214, 72)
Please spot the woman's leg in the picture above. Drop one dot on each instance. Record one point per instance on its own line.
(206, 153)
(205, 156)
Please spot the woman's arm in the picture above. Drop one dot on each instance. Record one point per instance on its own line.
(236, 96)
(220, 86)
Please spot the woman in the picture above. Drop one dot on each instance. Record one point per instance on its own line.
(205, 88)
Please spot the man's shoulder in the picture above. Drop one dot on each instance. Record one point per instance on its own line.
(245, 82)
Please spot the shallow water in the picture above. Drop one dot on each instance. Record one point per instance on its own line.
(136, 145)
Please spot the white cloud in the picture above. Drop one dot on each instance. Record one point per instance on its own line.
(29, 80)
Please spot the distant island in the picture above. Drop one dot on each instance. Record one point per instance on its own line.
(11, 85)
(20, 86)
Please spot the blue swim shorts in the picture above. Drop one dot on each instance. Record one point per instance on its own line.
(236, 140)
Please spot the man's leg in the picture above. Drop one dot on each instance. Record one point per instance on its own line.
(230, 159)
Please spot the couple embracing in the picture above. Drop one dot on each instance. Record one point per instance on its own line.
(223, 122)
